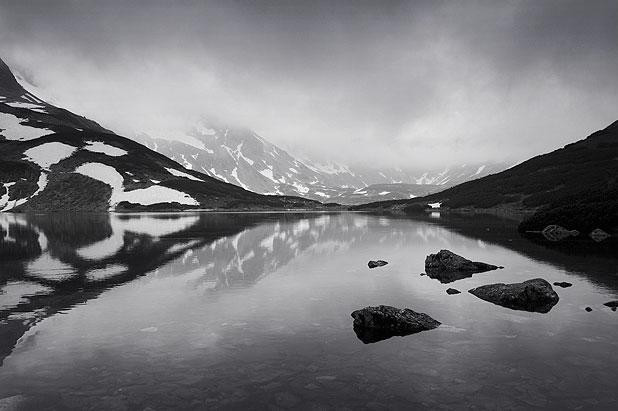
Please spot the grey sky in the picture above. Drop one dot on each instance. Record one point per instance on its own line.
(414, 84)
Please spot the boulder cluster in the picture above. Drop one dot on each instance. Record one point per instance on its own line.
(373, 324)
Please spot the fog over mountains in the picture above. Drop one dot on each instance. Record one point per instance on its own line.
(242, 157)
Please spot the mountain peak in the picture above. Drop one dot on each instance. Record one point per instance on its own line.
(9, 87)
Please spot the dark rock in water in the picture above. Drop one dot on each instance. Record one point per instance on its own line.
(422, 274)
(452, 291)
(612, 304)
(373, 324)
(557, 233)
(447, 266)
(599, 235)
(588, 309)
(377, 263)
(562, 284)
(535, 295)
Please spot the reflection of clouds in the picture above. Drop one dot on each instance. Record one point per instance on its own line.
(328, 247)
(429, 233)
(384, 221)
(301, 226)
(322, 221)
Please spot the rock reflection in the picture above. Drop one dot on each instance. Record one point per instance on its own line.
(52, 262)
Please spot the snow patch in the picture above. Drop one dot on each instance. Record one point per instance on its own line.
(49, 153)
(300, 188)
(99, 147)
(143, 196)
(42, 183)
(177, 173)
(220, 177)
(235, 175)
(268, 173)
(479, 171)
(29, 106)
(12, 129)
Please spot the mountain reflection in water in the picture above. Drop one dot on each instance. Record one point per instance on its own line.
(239, 304)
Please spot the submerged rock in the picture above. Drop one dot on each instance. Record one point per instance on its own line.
(557, 233)
(562, 284)
(452, 291)
(373, 324)
(377, 263)
(588, 309)
(535, 295)
(599, 235)
(447, 266)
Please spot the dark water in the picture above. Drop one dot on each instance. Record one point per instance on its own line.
(252, 311)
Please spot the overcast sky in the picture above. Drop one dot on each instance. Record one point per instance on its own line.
(411, 83)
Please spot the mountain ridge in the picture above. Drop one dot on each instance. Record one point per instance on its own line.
(52, 159)
(575, 186)
(241, 156)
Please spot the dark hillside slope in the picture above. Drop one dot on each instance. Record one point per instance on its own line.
(54, 160)
(575, 186)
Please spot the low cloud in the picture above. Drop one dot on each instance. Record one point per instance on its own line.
(423, 84)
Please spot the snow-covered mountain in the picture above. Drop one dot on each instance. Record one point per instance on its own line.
(52, 159)
(242, 157)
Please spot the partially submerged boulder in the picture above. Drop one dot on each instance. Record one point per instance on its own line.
(558, 233)
(535, 295)
(452, 291)
(599, 235)
(376, 263)
(447, 266)
(611, 304)
(562, 284)
(373, 324)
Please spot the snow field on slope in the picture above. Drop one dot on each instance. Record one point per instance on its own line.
(6, 204)
(12, 129)
(49, 153)
(99, 147)
(177, 173)
(143, 196)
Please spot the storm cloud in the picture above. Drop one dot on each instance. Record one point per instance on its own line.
(411, 84)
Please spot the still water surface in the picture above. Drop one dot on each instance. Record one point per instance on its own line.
(237, 311)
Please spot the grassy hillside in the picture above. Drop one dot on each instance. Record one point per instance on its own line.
(575, 186)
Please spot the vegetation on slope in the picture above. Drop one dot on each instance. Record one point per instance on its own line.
(575, 186)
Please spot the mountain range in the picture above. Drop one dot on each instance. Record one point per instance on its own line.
(242, 157)
(52, 159)
(575, 186)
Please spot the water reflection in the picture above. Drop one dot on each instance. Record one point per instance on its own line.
(249, 310)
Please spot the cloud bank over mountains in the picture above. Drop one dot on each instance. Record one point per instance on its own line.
(385, 83)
